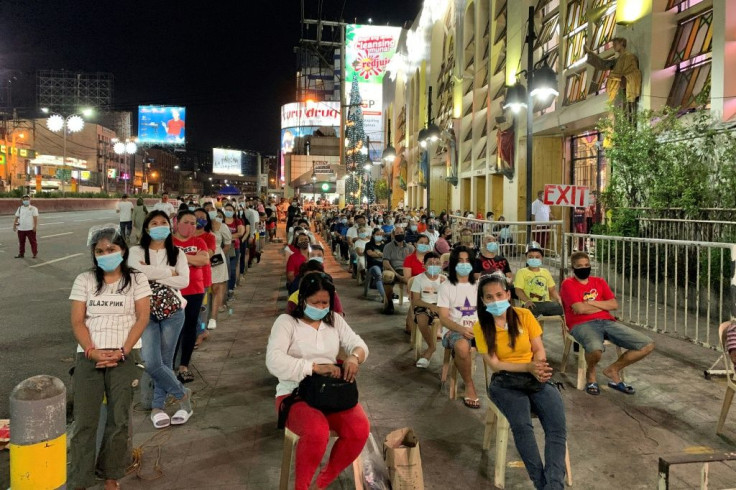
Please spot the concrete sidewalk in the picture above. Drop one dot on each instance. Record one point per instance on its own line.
(615, 440)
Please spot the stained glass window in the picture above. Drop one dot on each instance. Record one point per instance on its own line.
(694, 37)
(603, 29)
(688, 84)
(681, 4)
(575, 12)
(575, 48)
(598, 81)
(550, 27)
(575, 87)
(575, 31)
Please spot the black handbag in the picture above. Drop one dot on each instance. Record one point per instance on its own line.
(325, 393)
(217, 259)
(524, 382)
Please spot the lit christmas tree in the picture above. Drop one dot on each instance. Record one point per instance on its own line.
(356, 146)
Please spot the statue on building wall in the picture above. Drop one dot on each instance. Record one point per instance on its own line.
(625, 76)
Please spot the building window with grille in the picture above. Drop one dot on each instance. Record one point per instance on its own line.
(691, 55)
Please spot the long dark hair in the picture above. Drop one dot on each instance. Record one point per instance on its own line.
(455, 258)
(312, 283)
(119, 240)
(172, 252)
(486, 319)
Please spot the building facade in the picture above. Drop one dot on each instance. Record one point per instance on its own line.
(465, 53)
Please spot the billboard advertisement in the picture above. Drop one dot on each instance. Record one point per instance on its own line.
(368, 51)
(161, 125)
(228, 162)
(249, 166)
(324, 113)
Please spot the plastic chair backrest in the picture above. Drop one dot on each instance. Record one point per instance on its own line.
(722, 332)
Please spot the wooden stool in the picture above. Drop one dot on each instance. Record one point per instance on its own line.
(730, 378)
(569, 340)
(494, 417)
(416, 336)
(290, 441)
(449, 369)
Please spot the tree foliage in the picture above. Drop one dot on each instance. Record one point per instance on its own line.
(380, 188)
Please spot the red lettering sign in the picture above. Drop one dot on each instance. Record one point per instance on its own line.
(566, 195)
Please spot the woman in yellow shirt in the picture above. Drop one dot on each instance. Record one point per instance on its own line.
(510, 340)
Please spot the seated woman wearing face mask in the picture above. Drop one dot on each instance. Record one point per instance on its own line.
(307, 342)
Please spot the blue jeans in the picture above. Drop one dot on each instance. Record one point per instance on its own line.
(377, 274)
(234, 260)
(547, 404)
(159, 345)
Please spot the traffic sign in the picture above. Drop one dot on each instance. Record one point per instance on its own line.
(566, 195)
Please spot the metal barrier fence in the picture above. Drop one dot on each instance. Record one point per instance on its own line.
(685, 229)
(513, 236)
(676, 287)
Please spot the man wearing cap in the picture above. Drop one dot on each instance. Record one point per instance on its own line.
(26, 223)
(534, 285)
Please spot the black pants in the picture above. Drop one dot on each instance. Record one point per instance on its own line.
(188, 336)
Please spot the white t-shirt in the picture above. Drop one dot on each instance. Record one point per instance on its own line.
(461, 300)
(428, 288)
(352, 232)
(166, 207)
(125, 208)
(433, 237)
(25, 215)
(294, 345)
(540, 211)
(253, 218)
(111, 314)
(359, 244)
(159, 269)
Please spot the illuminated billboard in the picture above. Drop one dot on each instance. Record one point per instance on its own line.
(161, 125)
(324, 113)
(368, 51)
(226, 161)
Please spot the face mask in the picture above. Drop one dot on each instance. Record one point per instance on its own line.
(192, 208)
(218, 219)
(464, 269)
(213, 214)
(380, 220)
(185, 229)
(378, 238)
(343, 221)
(534, 263)
(321, 260)
(26, 202)
(201, 223)
(159, 233)
(363, 235)
(399, 238)
(229, 214)
(315, 313)
(110, 262)
(413, 227)
(303, 245)
(431, 215)
(434, 270)
(497, 308)
(582, 273)
(423, 248)
(390, 222)
(466, 239)
(492, 247)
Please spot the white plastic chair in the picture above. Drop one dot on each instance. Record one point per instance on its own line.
(730, 377)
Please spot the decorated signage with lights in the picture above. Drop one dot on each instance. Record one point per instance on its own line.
(161, 125)
(368, 51)
(324, 113)
(228, 162)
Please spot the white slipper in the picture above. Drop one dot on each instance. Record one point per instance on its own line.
(423, 363)
(181, 417)
(160, 420)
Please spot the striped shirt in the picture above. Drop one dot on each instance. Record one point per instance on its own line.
(731, 337)
(109, 315)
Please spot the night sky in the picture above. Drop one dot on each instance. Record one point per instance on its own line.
(230, 62)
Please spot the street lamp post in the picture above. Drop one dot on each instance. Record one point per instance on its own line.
(388, 156)
(125, 149)
(427, 136)
(542, 84)
(73, 123)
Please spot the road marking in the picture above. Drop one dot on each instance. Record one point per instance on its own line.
(48, 224)
(59, 234)
(56, 260)
(90, 219)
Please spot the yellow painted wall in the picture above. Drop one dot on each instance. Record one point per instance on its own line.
(546, 169)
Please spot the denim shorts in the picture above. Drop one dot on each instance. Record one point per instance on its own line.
(591, 334)
(450, 339)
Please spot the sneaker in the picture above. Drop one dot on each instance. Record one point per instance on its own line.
(19, 256)
(212, 324)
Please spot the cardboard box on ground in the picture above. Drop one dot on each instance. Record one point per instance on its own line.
(404, 461)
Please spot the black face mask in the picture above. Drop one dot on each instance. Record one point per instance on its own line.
(303, 245)
(399, 238)
(582, 273)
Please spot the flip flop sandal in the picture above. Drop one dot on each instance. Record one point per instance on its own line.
(473, 403)
(622, 387)
(592, 389)
(185, 376)
(160, 420)
(181, 417)
(423, 363)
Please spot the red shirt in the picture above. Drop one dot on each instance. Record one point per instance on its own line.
(233, 227)
(174, 127)
(573, 291)
(210, 240)
(412, 261)
(295, 262)
(192, 246)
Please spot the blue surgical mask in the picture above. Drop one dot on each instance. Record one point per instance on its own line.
(110, 262)
(192, 208)
(315, 313)
(321, 260)
(413, 227)
(497, 308)
(434, 270)
(201, 223)
(26, 202)
(492, 247)
(534, 263)
(213, 214)
(464, 269)
(378, 238)
(380, 220)
(363, 235)
(423, 248)
(229, 214)
(159, 233)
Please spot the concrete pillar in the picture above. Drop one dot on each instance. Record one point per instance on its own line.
(723, 66)
(38, 434)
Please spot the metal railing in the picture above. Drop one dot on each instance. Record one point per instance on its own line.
(687, 229)
(680, 288)
(513, 236)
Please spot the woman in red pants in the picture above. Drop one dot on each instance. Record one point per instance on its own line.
(305, 342)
